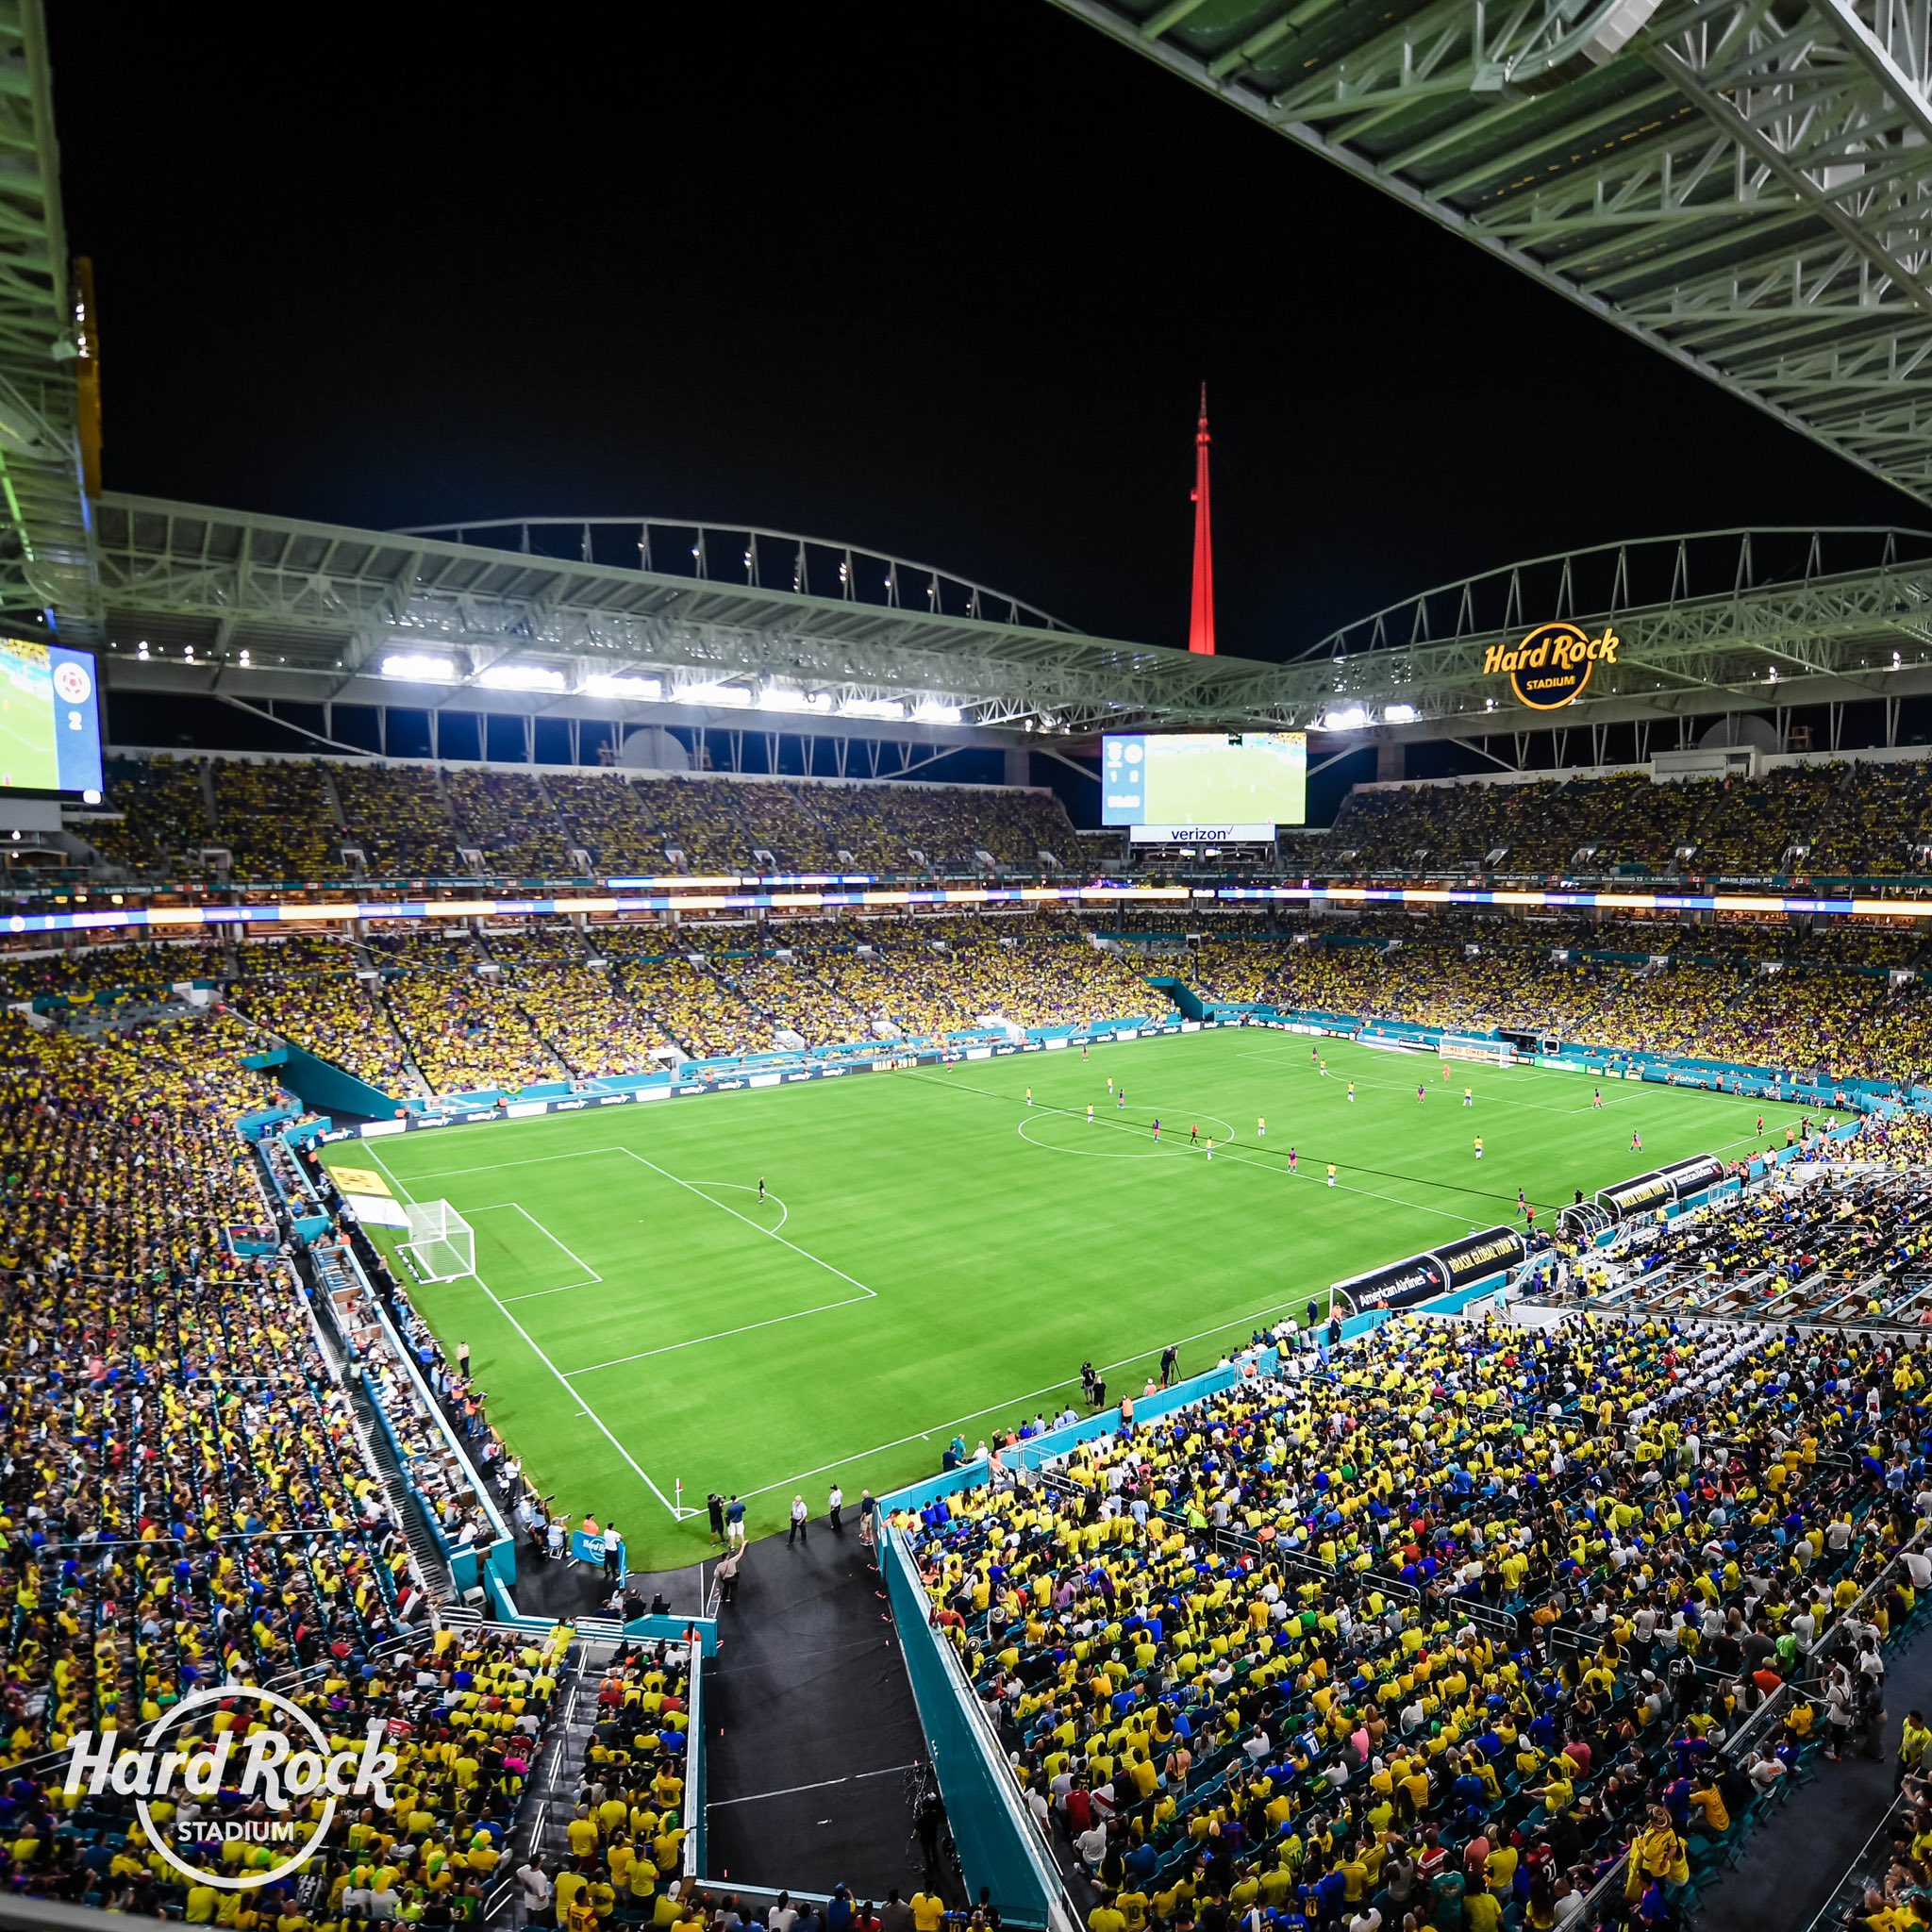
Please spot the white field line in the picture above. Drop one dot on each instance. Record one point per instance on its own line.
(593, 1278)
(1030, 1395)
(637, 1469)
(864, 1294)
(1145, 1355)
(850, 1301)
(1341, 1187)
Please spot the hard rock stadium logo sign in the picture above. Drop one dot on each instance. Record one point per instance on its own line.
(270, 1774)
(1552, 665)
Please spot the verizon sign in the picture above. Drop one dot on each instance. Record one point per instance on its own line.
(1201, 835)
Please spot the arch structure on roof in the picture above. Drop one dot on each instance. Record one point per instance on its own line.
(578, 618)
(1744, 185)
(750, 555)
(241, 604)
(1703, 623)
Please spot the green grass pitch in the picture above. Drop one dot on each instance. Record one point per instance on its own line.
(936, 1257)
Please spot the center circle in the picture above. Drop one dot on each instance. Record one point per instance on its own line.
(1106, 1128)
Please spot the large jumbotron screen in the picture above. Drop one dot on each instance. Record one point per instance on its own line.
(50, 732)
(1193, 778)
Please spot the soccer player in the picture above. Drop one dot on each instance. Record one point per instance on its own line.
(1120, 1099)
(1521, 1204)
(1156, 1126)
(1109, 1083)
(1260, 1126)
(1422, 1091)
(762, 1189)
(1315, 1055)
(1194, 1133)
(1084, 1054)
(1351, 1093)
(1294, 1161)
(1446, 1070)
(1469, 1096)
(1332, 1174)
(1636, 1142)
(1760, 1126)
(1029, 1096)
(1090, 1113)
(1479, 1146)
(1596, 1098)
(1210, 1146)
(1324, 1069)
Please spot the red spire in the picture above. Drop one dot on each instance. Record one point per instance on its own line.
(1201, 619)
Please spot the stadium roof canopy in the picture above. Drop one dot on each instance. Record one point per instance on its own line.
(703, 623)
(1740, 186)
(1744, 185)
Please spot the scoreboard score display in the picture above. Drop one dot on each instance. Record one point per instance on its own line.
(50, 722)
(1236, 784)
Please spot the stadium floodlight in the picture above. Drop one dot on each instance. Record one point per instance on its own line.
(735, 697)
(419, 667)
(930, 711)
(523, 677)
(442, 1244)
(610, 684)
(1399, 714)
(1350, 717)
(785, 697)
(889, 711)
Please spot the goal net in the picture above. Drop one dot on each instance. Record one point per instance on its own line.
(442, 1244)
(1462, 1046)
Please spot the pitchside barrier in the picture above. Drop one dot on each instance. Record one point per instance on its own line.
(1736, 1077)
(881, 1057)
(998, 1843)
(884, 1057)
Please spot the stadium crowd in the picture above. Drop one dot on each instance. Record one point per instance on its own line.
(1858, 819)
(289, 819)
(1842, 1021)
(1448, 1629)
(449, 1009)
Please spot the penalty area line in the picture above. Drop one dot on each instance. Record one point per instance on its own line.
(591, 1415)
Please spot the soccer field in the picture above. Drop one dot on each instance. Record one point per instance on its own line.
(936, 1257)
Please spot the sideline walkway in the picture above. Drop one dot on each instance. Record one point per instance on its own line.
(811, 1725)
(1790, 1870)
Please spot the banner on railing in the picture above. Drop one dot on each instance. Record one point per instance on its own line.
(1476, 1257)
(1400, 1285)
(1676, 1181)
(1453, 1266)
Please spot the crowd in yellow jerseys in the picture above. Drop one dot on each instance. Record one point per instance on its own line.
(1420, 1625)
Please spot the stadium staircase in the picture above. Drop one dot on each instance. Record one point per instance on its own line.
(547, 1831)
(403, 1509)
(404, 1044)
(339, 1289)
(337, 818)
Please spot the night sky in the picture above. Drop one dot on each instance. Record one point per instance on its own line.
(940, 279)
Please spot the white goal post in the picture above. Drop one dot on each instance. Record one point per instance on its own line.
(442, 1244)
(1463, 1046)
